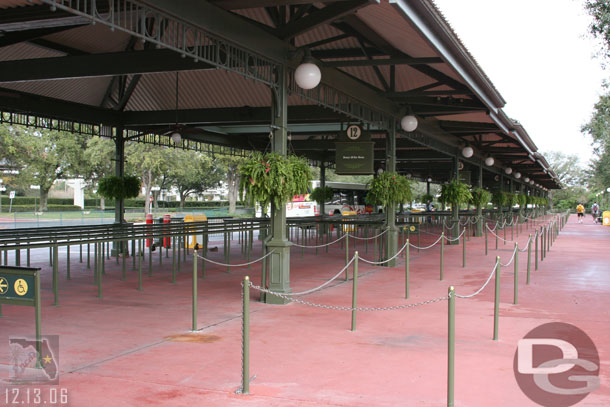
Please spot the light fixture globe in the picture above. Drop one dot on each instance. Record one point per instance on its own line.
(531, 182)
(526, 179)
(467, 151)
(517, 175)
(429, 179)
(176, 137)
(408, 123)
(508, 170)
(489, 161)
(307, 75)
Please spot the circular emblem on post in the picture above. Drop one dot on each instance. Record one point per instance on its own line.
(3, 285)
(354, 132)
(412, 228)
(21, 287)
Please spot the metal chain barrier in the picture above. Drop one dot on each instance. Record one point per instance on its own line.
(427, 247)
(511, 259)
(367, 238)
(456, 239)
(493, 233)
(343, 308)
(384, 261)
(235, 265)
(527, 244)
(320, 245)
(324, 284)
(493, 269)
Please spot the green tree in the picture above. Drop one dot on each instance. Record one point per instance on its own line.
(44, 156)
(148, 162)
(99, 162)
(600, 25)
(230, 164)
(191, 172)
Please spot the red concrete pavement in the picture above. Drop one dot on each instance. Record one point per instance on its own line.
(134, 348)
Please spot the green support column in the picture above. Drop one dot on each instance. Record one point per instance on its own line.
(279, 260)
(119, 208)
(392, 234)
(455, 211)
(479, 229)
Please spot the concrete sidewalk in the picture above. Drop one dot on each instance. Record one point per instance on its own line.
(134, 348)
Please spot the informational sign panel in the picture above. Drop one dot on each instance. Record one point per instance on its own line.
(354, 152)
(18, 285)
(354, 158)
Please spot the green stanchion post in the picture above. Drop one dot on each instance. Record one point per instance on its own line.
(407, 261)
(150, 259)
(529, 258)
(464, 249)
(173, 259)
(55, 274)
(486, 244)
(99, 274)
(442, 252)
(140, 245)
(354, 290)
(245, 373)
(536, 252)
(496, 234)
(67, 262)
(194, 327)
(497, 299)
(124, 264)
(346, 252)
(516, 272)
(451, 348)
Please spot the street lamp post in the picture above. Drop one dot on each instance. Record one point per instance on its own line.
(2, 188)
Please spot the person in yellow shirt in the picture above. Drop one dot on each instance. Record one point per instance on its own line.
(580, 209)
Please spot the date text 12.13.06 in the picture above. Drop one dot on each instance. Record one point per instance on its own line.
(34, 396)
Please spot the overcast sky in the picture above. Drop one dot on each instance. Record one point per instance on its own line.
(541, 59)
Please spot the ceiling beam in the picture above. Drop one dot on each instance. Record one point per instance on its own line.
(345, 52)
(232, 116)
(321, 16)
(15, 37)
(92, 65)
(244, 4)
(21, 102)
(385, 61)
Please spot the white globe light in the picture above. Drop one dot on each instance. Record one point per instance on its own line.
(526, 179)
(380, 171)
(176, 137)
(517, 175)
(307, 75)
(508, 170)
(489, 161)
(467, 151)
(608, 189)
(429, 179)
(408, 123)
(531, 182)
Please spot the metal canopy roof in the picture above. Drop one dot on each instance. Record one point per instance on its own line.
(115, 63)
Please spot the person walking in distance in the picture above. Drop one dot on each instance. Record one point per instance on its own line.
(595, 211)
(580, 209)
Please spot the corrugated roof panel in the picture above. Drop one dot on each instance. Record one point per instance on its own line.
(198, 90)
(256, 14)
(89, 91)
(92, 38)
(24, 50)
(387, 23)
(18, 3)
(323, 32)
